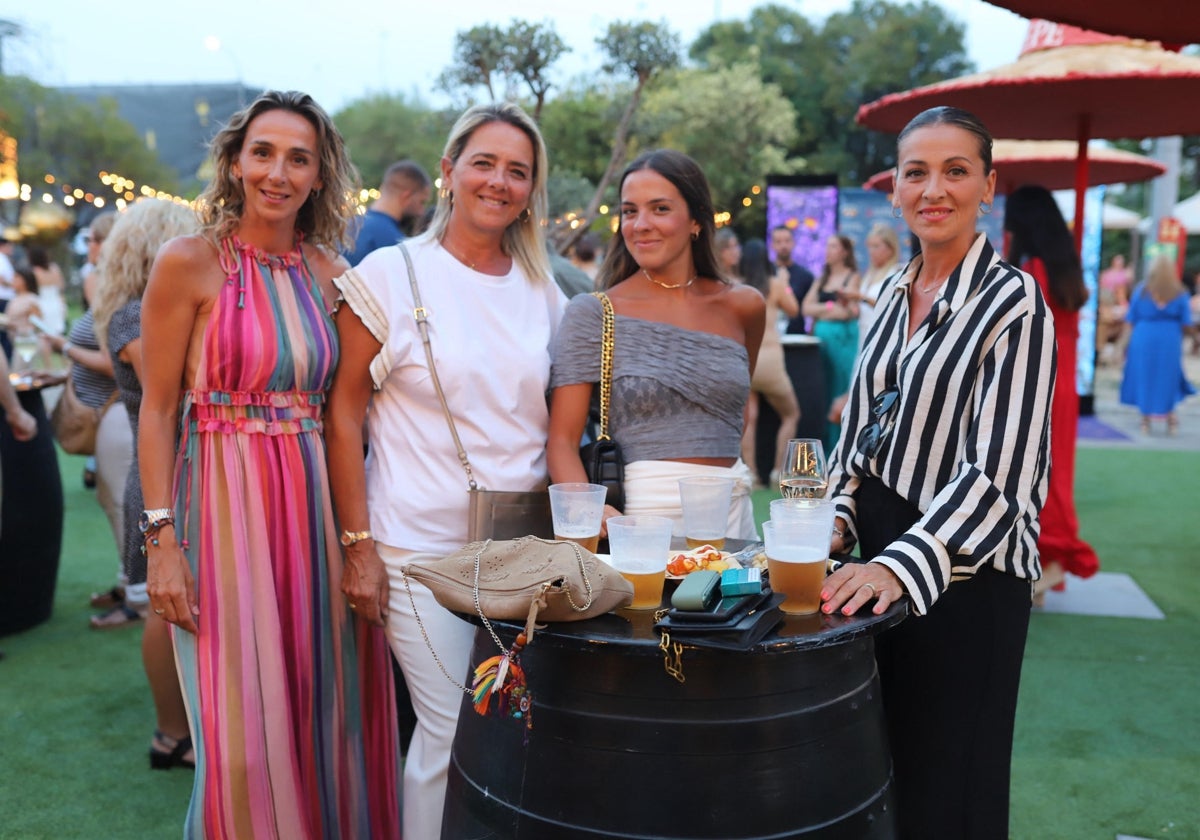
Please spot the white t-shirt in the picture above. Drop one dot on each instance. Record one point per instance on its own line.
(491, 342)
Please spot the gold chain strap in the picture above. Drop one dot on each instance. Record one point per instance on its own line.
(672, 652)
(607, 342)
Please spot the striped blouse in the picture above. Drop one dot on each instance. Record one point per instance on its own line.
(92, 387)
(970, 445)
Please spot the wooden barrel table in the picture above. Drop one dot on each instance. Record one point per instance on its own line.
(785, 740)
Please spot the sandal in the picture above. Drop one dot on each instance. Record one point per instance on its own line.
(108, 599)
(121, 616)
(176, 754)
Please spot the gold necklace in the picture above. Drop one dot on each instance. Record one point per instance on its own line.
(670, 285)
(462, 260)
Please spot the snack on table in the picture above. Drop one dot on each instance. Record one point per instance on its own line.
(702, 557)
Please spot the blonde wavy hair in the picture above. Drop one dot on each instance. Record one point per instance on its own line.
(129, 251)
(524, 240)
(888, 234)
(324, 217)
(1162, 282)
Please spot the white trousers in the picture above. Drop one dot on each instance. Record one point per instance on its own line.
(114, 454)
(435, 700)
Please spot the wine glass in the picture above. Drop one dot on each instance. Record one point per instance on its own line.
(25, 349)
(803, 474)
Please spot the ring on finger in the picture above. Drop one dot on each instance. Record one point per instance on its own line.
(353, 606)
(159, 612)
(871, 586)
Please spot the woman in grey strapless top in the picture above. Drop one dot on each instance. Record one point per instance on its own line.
(686, 340)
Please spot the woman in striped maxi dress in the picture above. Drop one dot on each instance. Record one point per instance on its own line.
(289, 696)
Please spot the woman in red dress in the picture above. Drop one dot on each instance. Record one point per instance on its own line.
(1040, 244)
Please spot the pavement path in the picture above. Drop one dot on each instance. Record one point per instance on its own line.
(1127, 420)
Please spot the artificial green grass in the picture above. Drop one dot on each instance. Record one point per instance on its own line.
(1105, 740)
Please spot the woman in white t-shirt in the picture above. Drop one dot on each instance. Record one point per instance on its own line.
(492, 306)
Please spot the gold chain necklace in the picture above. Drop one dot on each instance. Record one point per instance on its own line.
(670, 285)
(463, 260)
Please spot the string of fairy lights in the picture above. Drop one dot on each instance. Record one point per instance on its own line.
(126, 190)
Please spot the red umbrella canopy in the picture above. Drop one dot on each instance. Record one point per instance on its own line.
(1169, 21)
(1067, 83)
(1051, 164)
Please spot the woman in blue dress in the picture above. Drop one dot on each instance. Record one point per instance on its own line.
(1153, 381)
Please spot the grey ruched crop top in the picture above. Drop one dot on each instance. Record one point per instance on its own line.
(677, 393)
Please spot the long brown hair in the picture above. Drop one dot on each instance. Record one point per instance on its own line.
(851, 262)
(1037, 230)
(325, 214)
(688, 178)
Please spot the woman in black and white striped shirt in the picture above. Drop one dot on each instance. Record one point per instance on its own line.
(939, 475)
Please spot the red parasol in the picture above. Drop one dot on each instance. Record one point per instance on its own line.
(1169, 21)
(1051, 164)
(1068, 83)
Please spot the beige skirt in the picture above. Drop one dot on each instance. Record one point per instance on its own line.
(652, 489)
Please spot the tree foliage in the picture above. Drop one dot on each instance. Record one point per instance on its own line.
(532, 48)
(61, 136)
(498, 59)
(383, 129)
(875, 48)
(735, 125)
(881, 48)
(578, 125)
(786, 48)
(641, 50)
(478, 60)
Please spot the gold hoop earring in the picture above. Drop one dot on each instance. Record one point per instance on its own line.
(526, 215)
(695, 235)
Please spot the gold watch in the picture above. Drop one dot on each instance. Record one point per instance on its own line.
(349, 538)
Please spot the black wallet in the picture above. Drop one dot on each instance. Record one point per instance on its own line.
(748, 625)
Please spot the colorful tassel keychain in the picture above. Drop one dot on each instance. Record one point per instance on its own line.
(504, 677)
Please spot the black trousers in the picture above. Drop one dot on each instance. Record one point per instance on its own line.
(950, 680)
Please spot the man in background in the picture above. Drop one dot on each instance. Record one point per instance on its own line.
(799, 277)
(403, 193)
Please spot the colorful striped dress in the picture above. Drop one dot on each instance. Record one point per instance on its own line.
(290, 696)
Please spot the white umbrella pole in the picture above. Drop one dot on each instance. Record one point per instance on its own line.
(1164, 190)
(1081, 178)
